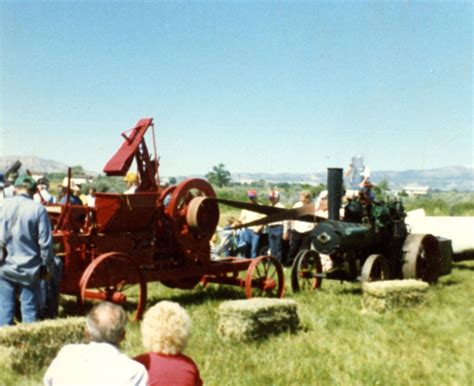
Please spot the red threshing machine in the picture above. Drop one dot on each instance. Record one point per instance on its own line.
(155, 234)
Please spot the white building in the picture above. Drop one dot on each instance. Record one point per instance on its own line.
(416, 190)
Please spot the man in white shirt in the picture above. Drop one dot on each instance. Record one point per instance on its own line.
(99, 362)
(300, 231)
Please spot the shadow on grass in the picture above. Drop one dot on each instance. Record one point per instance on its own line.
(351, 291)
(464, 267)
(448, 282)
(200, 295)
(70, 307)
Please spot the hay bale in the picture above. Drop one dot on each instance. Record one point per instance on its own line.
(256, 318)
(390, 295)
(27, 348)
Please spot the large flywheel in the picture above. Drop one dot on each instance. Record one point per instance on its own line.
(194, 216)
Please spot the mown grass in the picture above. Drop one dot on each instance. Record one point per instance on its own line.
(337, 344)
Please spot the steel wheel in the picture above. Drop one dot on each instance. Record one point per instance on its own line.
(114, 277)
(264, 278)
(421, 258)
(375, 268)
(194, 219)
(306, 267)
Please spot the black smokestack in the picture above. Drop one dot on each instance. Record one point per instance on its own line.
(334, 192)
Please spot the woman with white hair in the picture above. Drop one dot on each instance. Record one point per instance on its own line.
(165, 331)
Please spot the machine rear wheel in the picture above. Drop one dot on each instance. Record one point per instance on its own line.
(421, 258)
(305, 270)
(264, 278)
(375, 268)
(114, 277)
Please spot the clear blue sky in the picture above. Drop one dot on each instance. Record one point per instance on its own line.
(260, 86)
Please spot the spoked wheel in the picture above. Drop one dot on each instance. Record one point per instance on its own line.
(421, 258)
(264, 278)
(305, 270)
(194, 216)
(114, 277)
(375, 268)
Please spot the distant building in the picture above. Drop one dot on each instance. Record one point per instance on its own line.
(416, 190)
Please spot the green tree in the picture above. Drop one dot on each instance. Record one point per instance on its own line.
(219, 176)
(77, 170)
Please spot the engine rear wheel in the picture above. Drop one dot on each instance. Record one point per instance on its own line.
(421, 258)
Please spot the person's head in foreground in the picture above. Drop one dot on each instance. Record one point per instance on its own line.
(99, 361)
(106, 323)
(165, 328)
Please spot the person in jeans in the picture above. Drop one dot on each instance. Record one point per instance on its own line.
(276, 230)
(251, 234)
(26, 252)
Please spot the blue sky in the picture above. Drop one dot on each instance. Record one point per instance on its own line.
(260, 86)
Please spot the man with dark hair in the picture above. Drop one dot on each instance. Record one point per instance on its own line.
(26, 252)
(98, 362)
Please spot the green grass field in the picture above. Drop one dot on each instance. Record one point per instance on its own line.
(337, 344)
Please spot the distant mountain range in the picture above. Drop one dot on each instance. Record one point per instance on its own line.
(447, 178)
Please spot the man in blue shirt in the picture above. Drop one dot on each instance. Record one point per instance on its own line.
(27, 254)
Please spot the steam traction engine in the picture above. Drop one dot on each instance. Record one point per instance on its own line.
(111, 251)
(371, 242)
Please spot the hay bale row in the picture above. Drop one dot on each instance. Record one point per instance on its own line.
(27, 348)
(382, 296)
(256, 318)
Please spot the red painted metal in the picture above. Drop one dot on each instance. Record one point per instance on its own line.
(121, 161)
(153, 235)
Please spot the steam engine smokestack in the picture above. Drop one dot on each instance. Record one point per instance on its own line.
(334, 192)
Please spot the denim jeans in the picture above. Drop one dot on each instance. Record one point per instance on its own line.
(275, 239)
(252, 240)
(29, 297)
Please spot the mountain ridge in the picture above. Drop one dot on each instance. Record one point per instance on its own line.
(445, 178)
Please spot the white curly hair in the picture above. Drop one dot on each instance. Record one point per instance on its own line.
(165, 328)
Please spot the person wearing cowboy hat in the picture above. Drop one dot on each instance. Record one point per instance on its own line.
(300, 231)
